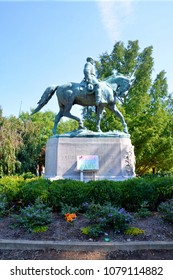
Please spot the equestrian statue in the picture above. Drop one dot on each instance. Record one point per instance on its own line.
(89, 92)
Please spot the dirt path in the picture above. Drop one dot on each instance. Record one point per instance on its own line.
(60, 255)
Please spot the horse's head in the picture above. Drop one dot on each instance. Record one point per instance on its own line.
(119, 83)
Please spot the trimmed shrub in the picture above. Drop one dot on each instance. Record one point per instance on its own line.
(69, 192)
(10, 187)
(129, 194)
(104, 191)
(34, 188)
(153, 190)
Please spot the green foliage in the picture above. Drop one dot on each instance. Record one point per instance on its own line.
(153, 190)
(67, 126)
(86, 230)
(106, 218)
(28, 155)
(166, 210)
(10, 144)
(143, 212)
(43, 121)
(40, 229)
(93, 231)
(133, 193)
(3, 205)
(104, 191)
(65, 208)
(147, 108)
(28, 175)
(130, 194)
(22, 140)
(68, 192)
(34, 188)
(89, 116)
(134, 231)
(34, 216)
(10, 187)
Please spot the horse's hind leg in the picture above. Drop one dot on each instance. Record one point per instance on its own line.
(99, 116)
(57, 119)
(69, 115)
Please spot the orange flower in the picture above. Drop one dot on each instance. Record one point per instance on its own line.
(70, 217)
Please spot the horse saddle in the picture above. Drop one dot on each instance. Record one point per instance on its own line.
(85, 86)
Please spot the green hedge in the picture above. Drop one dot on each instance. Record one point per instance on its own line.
(69, 192)
(129, 194)
(10, 187)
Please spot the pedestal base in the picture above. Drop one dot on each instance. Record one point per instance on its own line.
(116, 157)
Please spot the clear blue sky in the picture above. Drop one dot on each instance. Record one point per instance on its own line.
(45, 43)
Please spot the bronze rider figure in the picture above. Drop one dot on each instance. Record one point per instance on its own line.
(90, 78)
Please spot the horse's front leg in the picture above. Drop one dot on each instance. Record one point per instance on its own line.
(99, 110)
(115, 110)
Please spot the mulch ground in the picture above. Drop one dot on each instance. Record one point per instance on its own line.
(59, 230)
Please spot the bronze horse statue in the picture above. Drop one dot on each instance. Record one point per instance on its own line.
(70, 94)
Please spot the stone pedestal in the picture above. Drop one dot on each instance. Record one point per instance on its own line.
(115, 153)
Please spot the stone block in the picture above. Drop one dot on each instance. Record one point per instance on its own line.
(115, 153)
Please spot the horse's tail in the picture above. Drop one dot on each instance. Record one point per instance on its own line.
(47, 95)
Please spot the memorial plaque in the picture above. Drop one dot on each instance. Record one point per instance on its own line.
(87, 162)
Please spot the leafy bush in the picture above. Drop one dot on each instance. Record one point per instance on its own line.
(143, 212)
(28, 175)
(34, 216)
(106, 218)
(166, 210)
(68, 209)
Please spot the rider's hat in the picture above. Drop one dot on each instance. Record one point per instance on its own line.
(89, 58)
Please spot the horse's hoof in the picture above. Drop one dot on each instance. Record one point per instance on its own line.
(98, 130)
(126, 130)
(54, 131)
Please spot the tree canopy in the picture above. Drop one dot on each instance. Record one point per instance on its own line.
(147, 108)
(23, 141)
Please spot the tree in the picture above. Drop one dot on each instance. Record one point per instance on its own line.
(147, 108)
(36, 129)
(10, 144)
(31, 148)
(157, 130)
(67, 126)
(23, 141)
